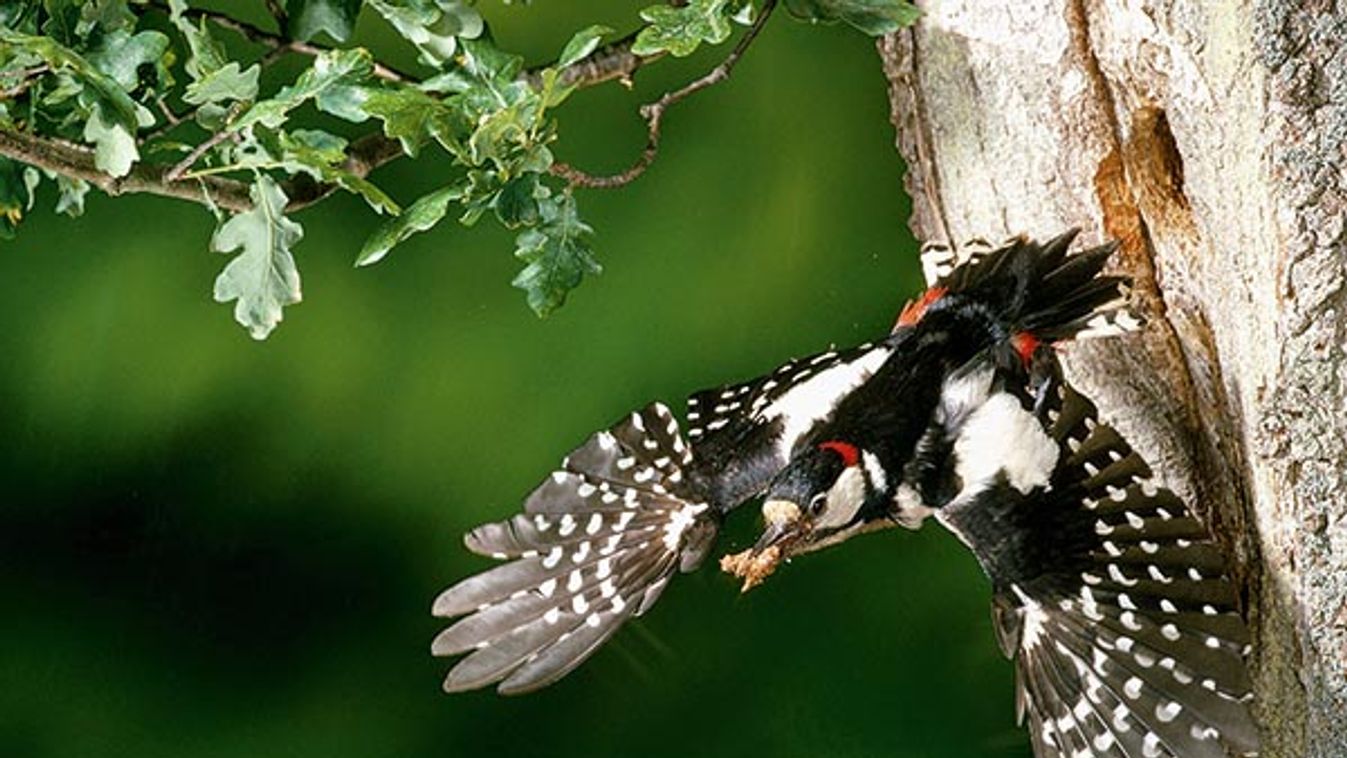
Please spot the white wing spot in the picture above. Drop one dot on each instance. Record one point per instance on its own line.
(684, 518)
(581, 553)
(1132, 687)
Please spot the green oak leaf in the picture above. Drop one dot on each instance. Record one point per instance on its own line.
(517, 203)
(420, 216)
(409, 115)
(71, 200)
(433, 26)
(306, 19)
(500, 133)
(489, 64)
(108, 15)
(874, 17)
(582, 44)
(262, 278)
(451, 82)
(114, 146)
(558, 254)
(224, 84)
(323, 157)
(680, 31)
(124, 110)
(333, 68)
(206, 54)
(121, 54)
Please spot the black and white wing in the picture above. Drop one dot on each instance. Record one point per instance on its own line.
(596, 544)
(1115, 603)
(744, 434)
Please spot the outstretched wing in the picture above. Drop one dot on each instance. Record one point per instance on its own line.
(743, 434)
(596, 544)
(1124, 623)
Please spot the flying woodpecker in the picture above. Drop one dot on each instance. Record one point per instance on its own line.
(958, 413)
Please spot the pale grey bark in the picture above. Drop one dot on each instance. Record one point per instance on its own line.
(1210, 138)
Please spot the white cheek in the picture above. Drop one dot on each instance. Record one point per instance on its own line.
(844, 499)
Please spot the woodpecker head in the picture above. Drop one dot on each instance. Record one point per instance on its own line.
(824, 496)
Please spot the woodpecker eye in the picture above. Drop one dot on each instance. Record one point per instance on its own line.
(816, 505)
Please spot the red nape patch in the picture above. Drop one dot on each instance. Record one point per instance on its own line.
(850, 455)
(1025, 344)
(915, 309)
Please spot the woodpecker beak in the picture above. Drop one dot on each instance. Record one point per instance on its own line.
(782, 521)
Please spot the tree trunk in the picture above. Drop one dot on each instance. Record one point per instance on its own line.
(1209, 140)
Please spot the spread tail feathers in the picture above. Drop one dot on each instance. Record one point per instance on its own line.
(1028, 287)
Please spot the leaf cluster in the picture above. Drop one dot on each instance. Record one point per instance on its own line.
(155, 88)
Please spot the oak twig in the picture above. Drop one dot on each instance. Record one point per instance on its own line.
(653, 113)
(611, 62)
(77, 162)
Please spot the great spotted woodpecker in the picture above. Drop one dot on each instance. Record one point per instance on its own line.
(1107, 591)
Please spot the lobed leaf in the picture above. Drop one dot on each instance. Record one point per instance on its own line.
(124, 110)
(224, 84)
(332, 69)
(121, 54)
(262, 278)
(114, 145)
(433, 26)
(680, 31)
(558, 255)
(206, 54)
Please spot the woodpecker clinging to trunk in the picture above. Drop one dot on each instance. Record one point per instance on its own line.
(1112, 598)
(954, 402)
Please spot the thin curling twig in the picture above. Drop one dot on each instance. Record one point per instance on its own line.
(653, 113)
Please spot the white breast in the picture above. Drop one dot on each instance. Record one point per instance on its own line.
(1000, 436)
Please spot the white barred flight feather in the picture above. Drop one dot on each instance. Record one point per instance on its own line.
(596, 545)
(1132, 644)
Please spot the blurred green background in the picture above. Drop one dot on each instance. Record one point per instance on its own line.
(215, 547)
